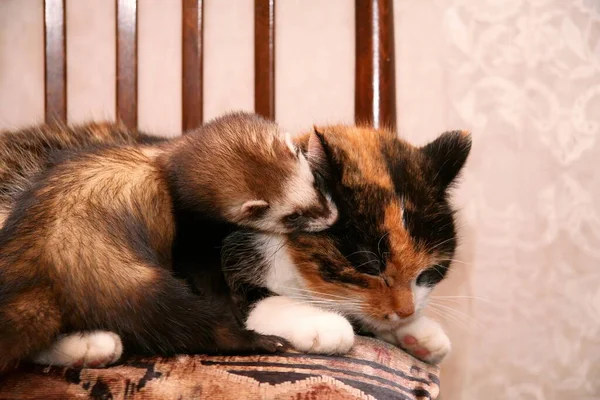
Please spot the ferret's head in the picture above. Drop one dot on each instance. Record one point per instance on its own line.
(240, 167)
(288, 189)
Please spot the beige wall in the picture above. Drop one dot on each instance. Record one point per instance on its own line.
(522, 305)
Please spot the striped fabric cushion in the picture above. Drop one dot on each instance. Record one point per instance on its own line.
(373, 370)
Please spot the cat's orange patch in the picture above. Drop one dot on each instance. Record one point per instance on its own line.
(362, 148)
(406, 260)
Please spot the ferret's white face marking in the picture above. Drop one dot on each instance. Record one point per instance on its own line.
(290, 144)
(303, 207)
(300, 205)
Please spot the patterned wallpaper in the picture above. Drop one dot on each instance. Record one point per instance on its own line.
(524, 76)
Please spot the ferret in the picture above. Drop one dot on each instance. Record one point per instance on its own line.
(105, 239)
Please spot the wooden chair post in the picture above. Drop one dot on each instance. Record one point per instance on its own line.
(127, 62)
(55, 78)
(192, 64)
(375, 92)
(264, 58)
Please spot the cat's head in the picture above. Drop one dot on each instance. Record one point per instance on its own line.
(395, 236)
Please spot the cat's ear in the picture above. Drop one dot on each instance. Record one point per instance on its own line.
(448, 154)
(253, 208)
(315, 151)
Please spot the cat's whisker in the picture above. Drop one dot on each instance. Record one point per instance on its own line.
(439, 272)
(461, 323)
(278, 246)
(339, 299)
(322, 304)
(379, 243)
(317, 293)
(453, 260)
(450, 301)
(368, 262)
(360, 251)
(452, 270)
(464, 297)
(457, 313)
(329, 303)
(442, 243)
(450, 319)
(436, 312)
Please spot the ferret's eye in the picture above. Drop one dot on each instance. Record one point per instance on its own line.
(293, 217)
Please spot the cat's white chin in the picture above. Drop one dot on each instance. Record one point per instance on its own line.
(383, 325)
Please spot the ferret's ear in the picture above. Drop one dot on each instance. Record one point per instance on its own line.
(253, 208)
(290, 144)
(315, 152)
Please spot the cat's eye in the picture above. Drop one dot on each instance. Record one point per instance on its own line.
(431, 276)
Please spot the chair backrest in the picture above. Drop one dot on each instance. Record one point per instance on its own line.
(375, 95)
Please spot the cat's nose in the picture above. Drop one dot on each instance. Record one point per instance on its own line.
(398, 315)
(404, 313)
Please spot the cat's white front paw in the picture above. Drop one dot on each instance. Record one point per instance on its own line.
(423, 338)
(93, 349)
(307, 328)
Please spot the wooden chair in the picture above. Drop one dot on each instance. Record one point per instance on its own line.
(375, 95)
(372, 368)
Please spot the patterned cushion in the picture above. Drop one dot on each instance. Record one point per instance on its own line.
(373, 370)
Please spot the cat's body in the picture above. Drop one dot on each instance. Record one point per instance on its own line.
(97, 241)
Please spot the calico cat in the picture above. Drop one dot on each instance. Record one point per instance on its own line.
(393, 242)
(92, 244)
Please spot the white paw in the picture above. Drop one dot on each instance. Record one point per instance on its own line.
(307, 328)
(423, 338)
(83, 349)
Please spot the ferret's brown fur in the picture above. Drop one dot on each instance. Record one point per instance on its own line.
(27, 152)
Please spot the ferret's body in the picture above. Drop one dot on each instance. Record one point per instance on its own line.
(27, 152)
(102, 239)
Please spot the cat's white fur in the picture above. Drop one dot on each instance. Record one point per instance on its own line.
(307, 328)
(84, 349)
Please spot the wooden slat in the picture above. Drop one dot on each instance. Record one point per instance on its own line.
(55, 61)
(264, 58)
(127, 62)
(192, 73)
(375, 93)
